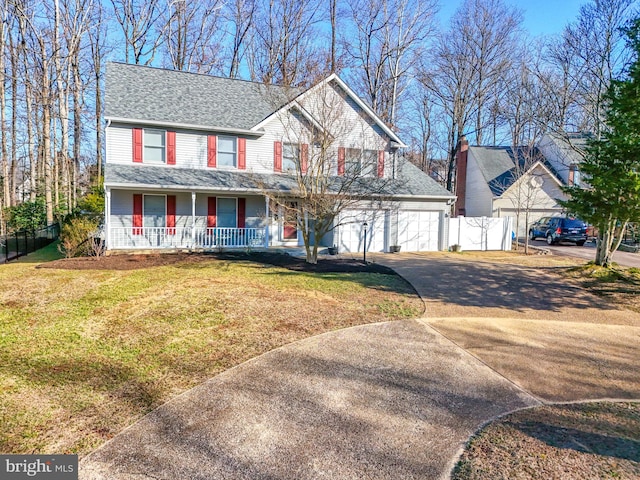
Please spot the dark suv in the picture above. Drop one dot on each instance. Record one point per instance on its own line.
(558, 229)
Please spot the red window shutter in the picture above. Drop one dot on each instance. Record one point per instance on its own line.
(277, 156)
(171, 148)
(242, 153)
(211, 212)
(242, 212)
(380, 163)
(304, 157)
(341, 160)
(171, 214)
(212, 147)
(137, 214)
(137, 145)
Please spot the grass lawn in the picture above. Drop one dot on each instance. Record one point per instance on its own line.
(569, 442)
(85, 353)
(597, 440)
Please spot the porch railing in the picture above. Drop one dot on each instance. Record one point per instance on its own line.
(185, 237)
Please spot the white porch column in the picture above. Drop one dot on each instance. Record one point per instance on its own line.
(107, 217)
(193, 219)
(267, 222)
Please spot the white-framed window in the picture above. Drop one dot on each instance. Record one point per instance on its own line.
(352, 161)
(361, 162)
(154, 146)
(227, 212)
(154, 211)
(290, 156)
(227, 151)
(369, 163)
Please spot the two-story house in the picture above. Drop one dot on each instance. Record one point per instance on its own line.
(193, 160)
(523, 182)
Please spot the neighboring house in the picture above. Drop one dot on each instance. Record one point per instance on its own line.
(191, 161)
(515, 182)
(565, 153)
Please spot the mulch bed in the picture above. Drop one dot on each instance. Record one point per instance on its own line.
(138, 261)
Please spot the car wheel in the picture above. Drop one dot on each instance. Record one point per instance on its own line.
(549, 239)
(532, 235)
(580, 243)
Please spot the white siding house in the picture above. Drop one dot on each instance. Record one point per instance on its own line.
(517, 182)
(191, 161)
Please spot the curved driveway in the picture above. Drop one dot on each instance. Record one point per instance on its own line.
(392, 400)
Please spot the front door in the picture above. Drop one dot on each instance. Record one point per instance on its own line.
(289, 223)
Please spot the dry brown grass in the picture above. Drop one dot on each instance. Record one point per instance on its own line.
(85, 353)
(568, 442)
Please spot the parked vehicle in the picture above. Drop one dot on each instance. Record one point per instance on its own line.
(559, 229)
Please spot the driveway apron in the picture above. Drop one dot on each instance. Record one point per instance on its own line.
(392, 400)
(546, 334)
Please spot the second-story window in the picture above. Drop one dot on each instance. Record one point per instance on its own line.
(227, 151)
(290, 156)
(361, 162)
(352, 161)
(154, 146)
(369, 163)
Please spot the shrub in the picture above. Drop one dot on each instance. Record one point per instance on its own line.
(27, 215)
(75, 236)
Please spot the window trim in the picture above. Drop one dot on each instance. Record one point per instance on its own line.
(165, 208)
(359, 155)
(296, 158)
(163, 147)
(235, 152)
(218, 211)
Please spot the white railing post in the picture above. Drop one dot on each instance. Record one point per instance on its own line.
(193, 219)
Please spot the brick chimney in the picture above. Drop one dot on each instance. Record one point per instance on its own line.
(461, 175)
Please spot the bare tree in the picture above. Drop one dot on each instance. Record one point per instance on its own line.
(327, 178)
(142, 28)
(592, 50)
(389, 37)
(240, 16)
(97, 43)
(466, 67)
(191, 35)
(283, 51)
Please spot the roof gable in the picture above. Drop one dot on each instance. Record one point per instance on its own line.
(502, 166)
(298, 103)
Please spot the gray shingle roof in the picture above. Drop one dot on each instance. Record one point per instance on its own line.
(157, 95)
(498, 165)
(571, 145)
(411, 181)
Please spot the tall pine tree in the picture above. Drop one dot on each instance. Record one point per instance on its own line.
(612, 165)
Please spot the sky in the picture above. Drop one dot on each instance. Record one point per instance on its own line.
(541, 17)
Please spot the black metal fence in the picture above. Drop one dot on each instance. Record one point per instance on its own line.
(23, 242)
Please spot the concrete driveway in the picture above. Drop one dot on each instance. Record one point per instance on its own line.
(392, 400)
(547, 335)
(384, 401)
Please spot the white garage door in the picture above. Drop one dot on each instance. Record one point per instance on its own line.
(351, 231)
(418, 231)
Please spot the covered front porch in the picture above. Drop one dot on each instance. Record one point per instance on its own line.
(192, 238)
(196, 220)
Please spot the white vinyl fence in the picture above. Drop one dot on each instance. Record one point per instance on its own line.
(481, 233)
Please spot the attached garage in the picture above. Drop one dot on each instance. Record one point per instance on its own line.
(350, 233)
(413, 230)
(418, 231)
